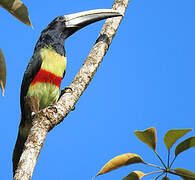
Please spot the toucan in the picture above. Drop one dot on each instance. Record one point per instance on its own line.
(47, 67)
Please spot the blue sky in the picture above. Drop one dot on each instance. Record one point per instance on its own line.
(146, 79)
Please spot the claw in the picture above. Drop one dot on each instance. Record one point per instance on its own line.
(65, 90)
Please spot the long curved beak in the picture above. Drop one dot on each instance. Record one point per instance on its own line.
(82, 19)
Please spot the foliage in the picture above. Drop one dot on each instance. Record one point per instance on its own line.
(149, 137)
(20, 11)
(2, 71)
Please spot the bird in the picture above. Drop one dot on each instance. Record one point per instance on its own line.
(47, 67)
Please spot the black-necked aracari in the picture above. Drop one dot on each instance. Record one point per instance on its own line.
(42, 78)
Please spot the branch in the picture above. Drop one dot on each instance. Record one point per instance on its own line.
(49, 117)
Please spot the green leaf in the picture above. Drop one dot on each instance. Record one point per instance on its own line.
(17, 9)
(135, 175)
(184, 145)
(119, 161)
(185, 174)
(165, 178)
(173, 135)
(148, 137)
(2, 71)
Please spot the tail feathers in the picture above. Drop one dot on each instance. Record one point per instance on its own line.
(19, 146)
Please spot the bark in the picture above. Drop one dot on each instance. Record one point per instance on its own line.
(48, 118)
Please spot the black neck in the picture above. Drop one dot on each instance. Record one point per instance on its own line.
(52, 39)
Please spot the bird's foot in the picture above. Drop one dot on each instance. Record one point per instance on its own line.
(67, 90)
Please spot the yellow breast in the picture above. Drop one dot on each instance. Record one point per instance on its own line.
(52, 61)
(46, 84)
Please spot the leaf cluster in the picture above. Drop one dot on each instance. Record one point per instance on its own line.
(19, 11)
(149, 137)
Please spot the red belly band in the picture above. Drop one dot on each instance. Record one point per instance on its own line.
(47, 77)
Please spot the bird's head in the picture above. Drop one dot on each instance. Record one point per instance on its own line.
(65, 26)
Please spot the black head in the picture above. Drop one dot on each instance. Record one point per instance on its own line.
(65, 26)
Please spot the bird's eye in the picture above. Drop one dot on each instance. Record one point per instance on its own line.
(60, 18)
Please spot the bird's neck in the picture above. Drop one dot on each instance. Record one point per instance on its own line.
(51, 40)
